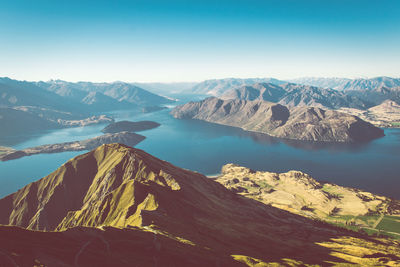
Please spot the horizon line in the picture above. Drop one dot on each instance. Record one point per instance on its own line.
(203, 80)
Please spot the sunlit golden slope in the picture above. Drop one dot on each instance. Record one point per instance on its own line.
(299, 193)
(197, 218)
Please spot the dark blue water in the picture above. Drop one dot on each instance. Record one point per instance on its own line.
(205, 147)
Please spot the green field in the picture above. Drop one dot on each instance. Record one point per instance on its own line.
(365, 220)
(390, 224)
(395, 124)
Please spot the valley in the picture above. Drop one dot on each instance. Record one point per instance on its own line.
(115, 193)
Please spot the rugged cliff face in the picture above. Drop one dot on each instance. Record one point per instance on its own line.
(300, 123)
(160, 212)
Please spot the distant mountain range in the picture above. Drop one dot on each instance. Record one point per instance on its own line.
(119, 206)
(292, 95)
(27, 107)
(364, 92)
(218, 87)
(81, 96)
(124, 93)
(344, 84)
(167, 88)
(373, 91)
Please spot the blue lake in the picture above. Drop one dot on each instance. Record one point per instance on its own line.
(205, 147)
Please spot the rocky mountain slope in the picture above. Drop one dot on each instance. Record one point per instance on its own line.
(143, 210)
(377, 95)
(300, 123)
(292, 95)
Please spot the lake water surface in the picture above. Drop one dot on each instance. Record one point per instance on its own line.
(205, 147)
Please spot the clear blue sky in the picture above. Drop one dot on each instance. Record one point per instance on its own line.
(194, 40)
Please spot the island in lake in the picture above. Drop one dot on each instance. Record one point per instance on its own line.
(130, 126)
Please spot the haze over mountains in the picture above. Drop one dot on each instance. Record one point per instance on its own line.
(34, 106)
(84, 96)
(374, 90)
(120, 91)
(109, 201)
(292, 95)
(54, 104)
(345, 84)
(364, 92)
(217, 87)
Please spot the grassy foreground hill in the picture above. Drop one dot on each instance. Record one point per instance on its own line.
(119, 206)
(299, 193)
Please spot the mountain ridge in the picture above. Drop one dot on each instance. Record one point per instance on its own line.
(300, 123)
(292, 95)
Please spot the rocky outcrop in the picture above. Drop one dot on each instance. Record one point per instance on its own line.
(300, 123)
(130, 126)
(118, 203)
(130, 139)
